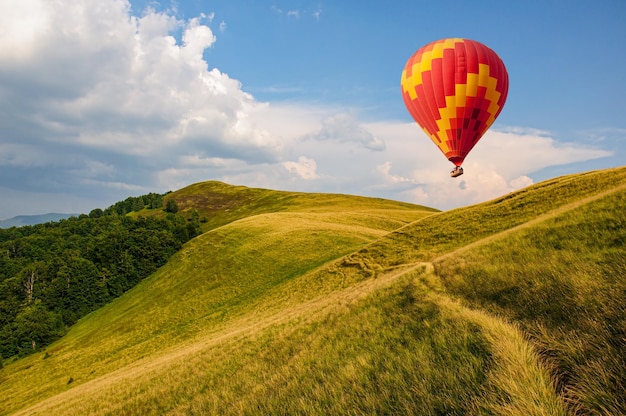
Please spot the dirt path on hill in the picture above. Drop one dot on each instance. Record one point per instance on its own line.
(145, 369)
(510, 348)
(537, 220)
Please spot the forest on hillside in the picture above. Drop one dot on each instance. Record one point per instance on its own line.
(53, 274)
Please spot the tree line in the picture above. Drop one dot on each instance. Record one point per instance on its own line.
(53, 274)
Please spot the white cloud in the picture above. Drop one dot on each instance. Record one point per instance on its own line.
(385, 171)
(99, 103)
(21, 29)
(345, 128)
(304, 168)
(196, 39)
(524, 131)
(500, 163)
(96, 79)
(521, 182)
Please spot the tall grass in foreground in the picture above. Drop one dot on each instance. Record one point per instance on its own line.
(564, 280)
(218, 282)
(272, 315)
(397, 349)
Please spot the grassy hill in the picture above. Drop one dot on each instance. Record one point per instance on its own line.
(217, 204)
(296, 303)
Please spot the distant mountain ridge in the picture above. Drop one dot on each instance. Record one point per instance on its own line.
(21, 220)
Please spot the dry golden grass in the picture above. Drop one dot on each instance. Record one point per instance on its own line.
(216, 285)
(332, 307)
(233, 371)
(515, 382)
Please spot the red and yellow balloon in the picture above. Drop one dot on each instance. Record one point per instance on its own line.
(455, 88)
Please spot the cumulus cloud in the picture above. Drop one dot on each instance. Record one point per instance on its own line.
(304, 168)
(345, 128)
(501, 162)
(385, 171)
(97, 104)
(93, 80)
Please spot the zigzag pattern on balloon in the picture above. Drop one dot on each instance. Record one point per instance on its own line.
(454, 89)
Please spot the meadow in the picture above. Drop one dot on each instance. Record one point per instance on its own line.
(294, 303)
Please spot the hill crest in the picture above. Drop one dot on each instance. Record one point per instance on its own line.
(315, 309)
(218, 203)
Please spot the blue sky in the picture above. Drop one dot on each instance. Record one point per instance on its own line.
(109, 99)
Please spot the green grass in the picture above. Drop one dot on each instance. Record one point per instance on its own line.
(383, 347)
(564, 281)
(218, 204)
(218, 281)
(331, 304)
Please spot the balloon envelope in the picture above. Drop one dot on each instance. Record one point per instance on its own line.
(455, 88)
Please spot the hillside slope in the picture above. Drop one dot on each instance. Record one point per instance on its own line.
(210, 280)
(218, 203)
(318, 310)
(551, 258)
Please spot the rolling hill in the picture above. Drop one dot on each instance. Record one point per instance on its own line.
(295, 303)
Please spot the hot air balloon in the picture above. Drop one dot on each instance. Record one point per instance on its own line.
(455, 88)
